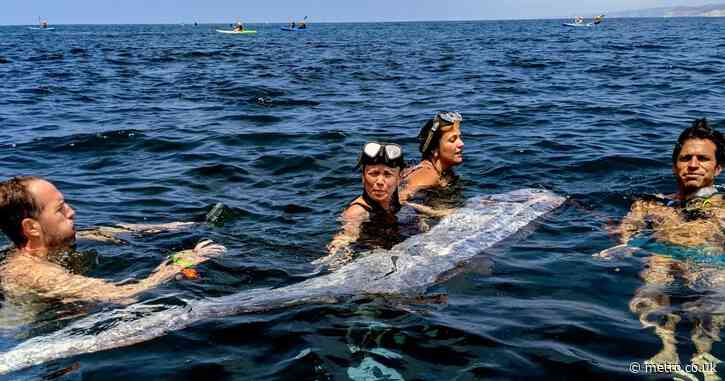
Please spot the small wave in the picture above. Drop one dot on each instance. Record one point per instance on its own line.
(527, 63)
(47, 57)
(647, 46)
(203, 54)
(607, 164)
(232, 88)
(99, 142)
(42, 90)
(286, 164)
(267, 101)
(296, 209)
(556, 146)
(258, 119)
(225, 172)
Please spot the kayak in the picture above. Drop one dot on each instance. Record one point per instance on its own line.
(288, 29)
(573, 25)
(36, 28)
(236, 32)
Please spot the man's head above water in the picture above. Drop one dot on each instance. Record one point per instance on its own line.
(698, 157)
(34, 215)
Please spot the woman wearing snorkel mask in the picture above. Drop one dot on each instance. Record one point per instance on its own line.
(441, 145)
(372, 215)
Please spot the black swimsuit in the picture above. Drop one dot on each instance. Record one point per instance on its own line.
(381, 229)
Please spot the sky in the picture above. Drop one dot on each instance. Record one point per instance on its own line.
(22, 12)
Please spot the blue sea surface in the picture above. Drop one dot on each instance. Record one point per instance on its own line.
(158, 123)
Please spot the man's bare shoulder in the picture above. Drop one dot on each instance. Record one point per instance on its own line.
(718, 200)
(30, 273)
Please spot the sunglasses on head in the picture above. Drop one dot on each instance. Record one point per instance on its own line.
(449, 117)
(381, 153)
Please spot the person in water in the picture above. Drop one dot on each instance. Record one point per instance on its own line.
(441, 145)
(598, 19)
(41, 225)
(377, 207)
(692, 218)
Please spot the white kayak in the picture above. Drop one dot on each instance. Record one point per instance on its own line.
(37, 28)
(237, 32)
(575, 25)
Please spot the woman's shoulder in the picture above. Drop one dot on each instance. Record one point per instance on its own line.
(422, 174)
(358, 208)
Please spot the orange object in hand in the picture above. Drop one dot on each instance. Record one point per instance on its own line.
(190, 273)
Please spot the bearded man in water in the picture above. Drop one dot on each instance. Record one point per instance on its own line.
(36, 218)
(687, 232)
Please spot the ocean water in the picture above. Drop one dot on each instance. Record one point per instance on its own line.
(158, 123)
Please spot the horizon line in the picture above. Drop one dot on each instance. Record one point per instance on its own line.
(365, 22)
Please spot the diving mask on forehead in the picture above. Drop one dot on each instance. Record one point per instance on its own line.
(381, 153)
(440, 120)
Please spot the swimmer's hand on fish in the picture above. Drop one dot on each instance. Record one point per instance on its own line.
(184, 261)
(203, 251)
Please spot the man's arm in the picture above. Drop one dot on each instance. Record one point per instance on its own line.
(52, 281)
(633, 222)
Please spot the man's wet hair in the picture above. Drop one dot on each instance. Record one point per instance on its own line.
(17, 204)
(700, 129)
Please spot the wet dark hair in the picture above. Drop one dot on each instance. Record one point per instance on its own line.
(427, 152)
(423, 136)
(17, 204)
(701, 130)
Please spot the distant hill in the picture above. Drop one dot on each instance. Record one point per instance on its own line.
(713, 10)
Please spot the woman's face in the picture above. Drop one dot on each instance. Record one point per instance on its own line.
(450, 147)
(380, 182)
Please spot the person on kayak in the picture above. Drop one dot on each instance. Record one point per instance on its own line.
(44, 24)
(579, 20)
(598, 19)
(238, 27)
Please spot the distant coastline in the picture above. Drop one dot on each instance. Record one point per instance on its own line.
(712, 10)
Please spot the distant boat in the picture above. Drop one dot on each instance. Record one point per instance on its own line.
(296, 26)
(42, 25)
(237, 31)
